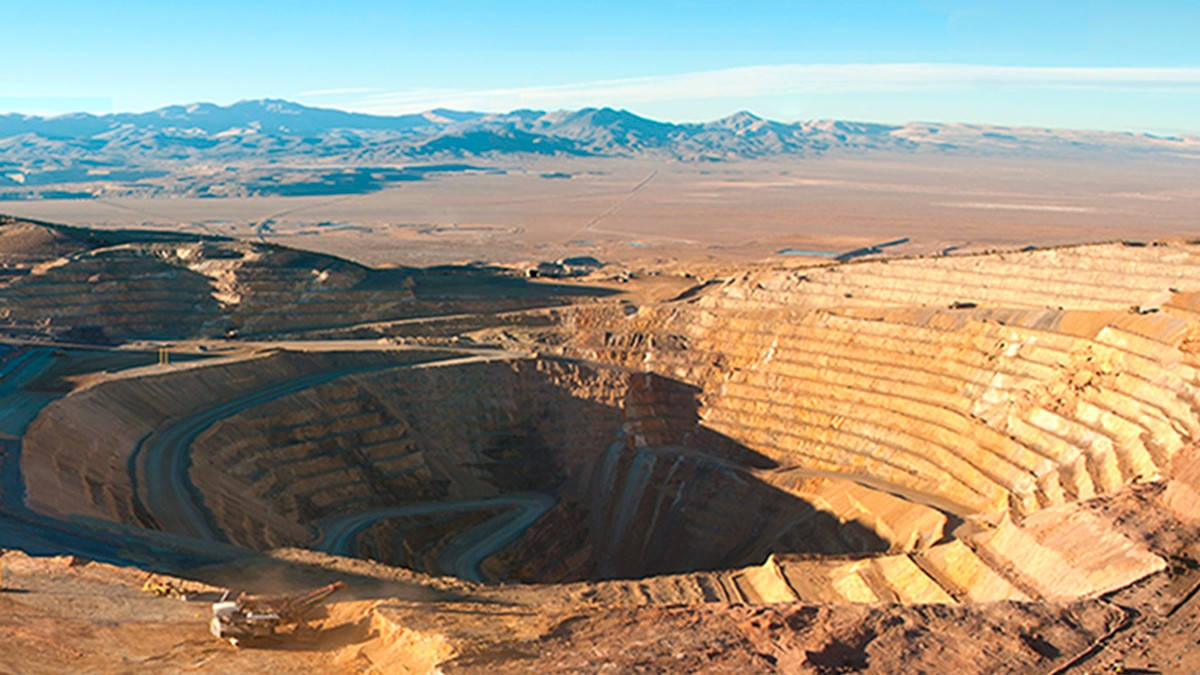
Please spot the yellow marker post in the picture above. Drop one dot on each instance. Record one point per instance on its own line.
(164, 356)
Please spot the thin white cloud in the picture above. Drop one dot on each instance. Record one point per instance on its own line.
(340, 92)
(756, 81)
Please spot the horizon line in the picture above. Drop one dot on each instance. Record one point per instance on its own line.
(500, 112)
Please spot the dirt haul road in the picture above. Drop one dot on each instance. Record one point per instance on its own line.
(161, 462)
(39, 534)
(462, 556)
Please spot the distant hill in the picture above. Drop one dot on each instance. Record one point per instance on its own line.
(277, 127)
(156, 152)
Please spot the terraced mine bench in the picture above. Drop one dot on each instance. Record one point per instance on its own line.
(952, 430)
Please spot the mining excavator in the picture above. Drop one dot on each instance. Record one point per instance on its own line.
(162, 588)
(252, 618)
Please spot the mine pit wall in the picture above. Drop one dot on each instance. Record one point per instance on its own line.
(984, 413)
(122, 292)
(153, 289)
(274, 300)
(75, 454)
(1096, 277)
(188, 290)
(439, 433)
(641, 488)
(669, 509)
(666, 510)
(399, 436)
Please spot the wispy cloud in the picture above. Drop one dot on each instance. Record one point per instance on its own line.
(757, 81)
(340, 92)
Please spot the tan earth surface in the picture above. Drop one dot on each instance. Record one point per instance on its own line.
(975, 462)
(647, 214)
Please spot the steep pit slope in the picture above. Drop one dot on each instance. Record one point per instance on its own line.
(1007, 441)
(745, 420)
(413, 460)
(78, 455)
(991, 388)
(1090, 277)
(983, 409)
(145, 288)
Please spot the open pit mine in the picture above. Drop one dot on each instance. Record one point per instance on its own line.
(978, 462)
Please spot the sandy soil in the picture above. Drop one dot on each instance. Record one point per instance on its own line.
(639, 212)
(64, 614)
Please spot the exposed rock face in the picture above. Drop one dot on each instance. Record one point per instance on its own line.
(945, 431)
(116, 286)
(622, 450)
(75, 458)
(980, 411)
(812, 639)
(195, 289)
(1000, 390)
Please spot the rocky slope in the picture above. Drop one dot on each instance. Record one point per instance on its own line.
(978, 461)
(109, 287)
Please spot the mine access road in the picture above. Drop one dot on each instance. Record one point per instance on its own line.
(159, 466)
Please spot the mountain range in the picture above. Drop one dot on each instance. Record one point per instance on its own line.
(272, 127)
(131, 148)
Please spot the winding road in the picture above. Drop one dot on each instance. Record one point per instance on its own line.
(40, 534)
(161, 463)
(462, 556)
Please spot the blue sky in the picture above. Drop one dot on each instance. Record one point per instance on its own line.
(1116, 65)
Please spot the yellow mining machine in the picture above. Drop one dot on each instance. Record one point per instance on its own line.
(250, 618)
(162, 588)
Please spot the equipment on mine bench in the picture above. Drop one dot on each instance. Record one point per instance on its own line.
(256, 617)
(161, 588)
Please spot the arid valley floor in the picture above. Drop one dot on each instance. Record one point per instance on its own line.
(705, 445)
(633, 210)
